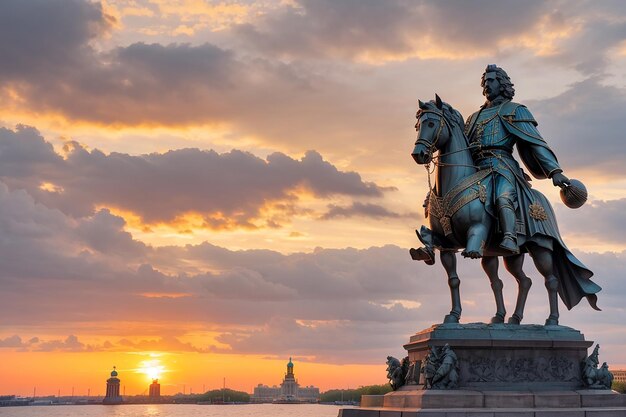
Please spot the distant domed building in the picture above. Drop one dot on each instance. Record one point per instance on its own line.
(289, 387)
(113, 389)
(289, 390)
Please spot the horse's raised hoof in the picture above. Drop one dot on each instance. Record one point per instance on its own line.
(497, 319)
(552, 321)
(450, 318)
(514, 320)
(423, 254)
(473, 254)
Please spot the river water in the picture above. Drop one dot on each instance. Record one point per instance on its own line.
(174, 410)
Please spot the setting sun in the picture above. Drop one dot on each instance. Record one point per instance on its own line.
(152, 368)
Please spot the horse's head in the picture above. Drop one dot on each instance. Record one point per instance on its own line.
(433, 130)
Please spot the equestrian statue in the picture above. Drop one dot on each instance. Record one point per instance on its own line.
(482, 202)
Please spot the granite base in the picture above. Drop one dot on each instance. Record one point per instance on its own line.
(504, 370)
(416, 402)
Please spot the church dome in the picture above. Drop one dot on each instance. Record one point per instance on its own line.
(290, 365)
(114, 372)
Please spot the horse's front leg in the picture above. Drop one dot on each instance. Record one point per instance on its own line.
(490, 266)
(476, 237)
(448, 260)
(514, 265)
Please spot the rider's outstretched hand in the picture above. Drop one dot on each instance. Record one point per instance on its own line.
(560, 180)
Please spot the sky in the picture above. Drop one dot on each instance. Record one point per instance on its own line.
(211, 187)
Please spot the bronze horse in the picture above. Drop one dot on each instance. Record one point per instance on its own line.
(459, 219)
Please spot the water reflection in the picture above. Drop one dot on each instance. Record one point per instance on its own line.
(174, 410)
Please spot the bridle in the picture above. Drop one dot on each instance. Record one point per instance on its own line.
(442, 122)
(433, 145)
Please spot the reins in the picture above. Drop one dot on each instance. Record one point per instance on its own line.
(443, 121)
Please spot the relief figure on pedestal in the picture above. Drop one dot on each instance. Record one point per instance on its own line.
(594, 377)
(441, 368)
(397, 371)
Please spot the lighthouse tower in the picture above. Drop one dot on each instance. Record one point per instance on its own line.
(113, 389)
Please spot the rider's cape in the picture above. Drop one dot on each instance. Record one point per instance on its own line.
(573, 276)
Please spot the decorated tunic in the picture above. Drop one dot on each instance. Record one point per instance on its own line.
(494, 131)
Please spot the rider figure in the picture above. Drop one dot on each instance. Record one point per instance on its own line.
(493, 131)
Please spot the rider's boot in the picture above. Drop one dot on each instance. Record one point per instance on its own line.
(507, 224)
(424, 253)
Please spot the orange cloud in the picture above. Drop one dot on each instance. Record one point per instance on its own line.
(165, 294)
(546, 36)
(215, 16)
(184, 190)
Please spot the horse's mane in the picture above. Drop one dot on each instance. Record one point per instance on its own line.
(453, 116)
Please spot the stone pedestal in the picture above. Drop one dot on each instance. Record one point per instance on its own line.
(504, 370)
(507, 357)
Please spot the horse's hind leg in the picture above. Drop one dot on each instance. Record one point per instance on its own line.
(490, 265)
(514, 265)
(543, 261)
(448, 260)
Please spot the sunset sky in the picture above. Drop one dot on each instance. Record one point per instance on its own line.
(211, 187)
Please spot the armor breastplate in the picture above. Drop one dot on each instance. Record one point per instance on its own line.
(489, 132)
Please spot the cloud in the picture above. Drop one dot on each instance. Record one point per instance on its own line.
(251, 91)
(233, 189)
(584, 125)
(14, 341)
(362, 209)
(336, 305)
(600, 30)
(182, 19)
(71, 279)
(165, 343)
(255, 301)
(70, 344)
(105, 233)
(369, 31)
(603, 220)
(57, 71)
(331, 341)
(43, 39)
(314, 28)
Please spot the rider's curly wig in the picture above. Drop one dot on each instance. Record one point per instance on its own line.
(501, 75)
